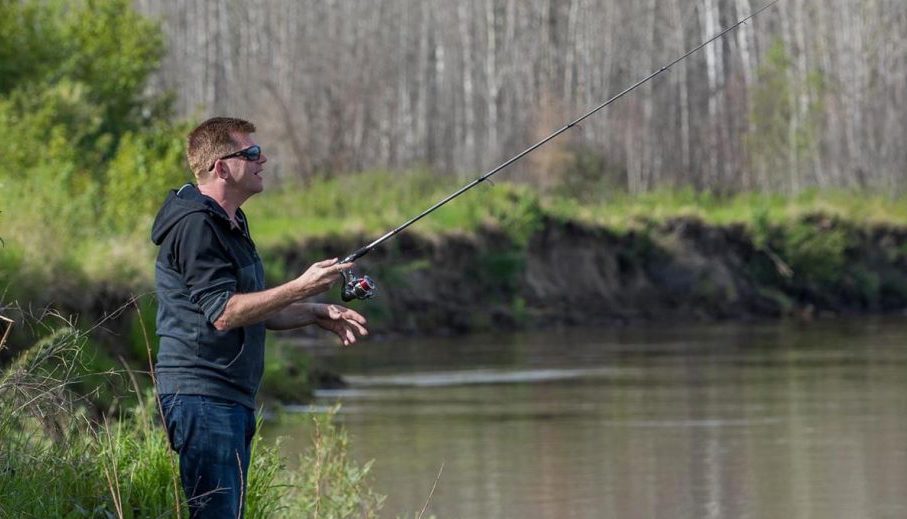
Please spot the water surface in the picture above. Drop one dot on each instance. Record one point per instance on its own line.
(779, 420)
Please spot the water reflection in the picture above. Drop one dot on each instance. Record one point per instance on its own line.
(777, 420)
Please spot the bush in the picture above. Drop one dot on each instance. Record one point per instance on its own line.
(83, 145)
(144, 168)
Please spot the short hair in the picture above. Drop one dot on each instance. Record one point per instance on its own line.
(213, 139)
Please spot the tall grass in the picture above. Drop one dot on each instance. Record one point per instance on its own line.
(376, 201)
(60, 458)
(622, 211)
(67, 250)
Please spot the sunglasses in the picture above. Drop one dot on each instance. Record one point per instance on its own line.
(252, 154)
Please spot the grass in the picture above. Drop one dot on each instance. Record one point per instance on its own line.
(625, 211)
(374, 202)
(70, 251)
(58, 458)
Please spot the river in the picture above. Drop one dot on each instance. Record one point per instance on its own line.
(771, 420)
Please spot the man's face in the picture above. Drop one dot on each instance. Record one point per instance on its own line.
(245, 175)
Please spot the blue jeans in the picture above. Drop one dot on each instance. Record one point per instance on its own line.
(213, 438)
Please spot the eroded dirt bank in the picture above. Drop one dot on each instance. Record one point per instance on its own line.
(571, 273)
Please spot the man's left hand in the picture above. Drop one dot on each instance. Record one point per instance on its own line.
(348, 324)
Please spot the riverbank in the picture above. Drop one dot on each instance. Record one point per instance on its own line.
(501, 258)
(683, 268)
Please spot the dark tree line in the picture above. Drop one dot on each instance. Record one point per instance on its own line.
(810, 94)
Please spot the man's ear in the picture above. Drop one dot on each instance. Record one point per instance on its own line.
(221, 170)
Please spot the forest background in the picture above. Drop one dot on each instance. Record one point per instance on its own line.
(801, 97)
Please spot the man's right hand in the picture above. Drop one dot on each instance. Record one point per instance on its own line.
(320, 276)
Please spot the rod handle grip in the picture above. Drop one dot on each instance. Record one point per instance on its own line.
(353, 256)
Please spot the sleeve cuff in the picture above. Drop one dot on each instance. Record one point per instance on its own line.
(214, 304)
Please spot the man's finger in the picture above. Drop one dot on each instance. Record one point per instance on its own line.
(342, 333)
(353, 315)
(357, 327)
(326, 263)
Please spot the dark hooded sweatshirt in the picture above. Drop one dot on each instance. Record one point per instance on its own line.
(203, 261)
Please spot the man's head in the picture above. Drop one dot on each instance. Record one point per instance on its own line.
(221, 149)
(213, 139)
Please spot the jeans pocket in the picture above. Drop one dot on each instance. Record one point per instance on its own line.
(252, 426)
(171, 408)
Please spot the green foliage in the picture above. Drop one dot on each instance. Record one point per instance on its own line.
(331, 485)
(503, 269)
(755, 210)
(518, 211)
(99, 379)
(355, 203)
(589, 178)
(146, 165)
(141, 337)
(866, 284)
(11, 266)
(44, 186)
(112, 49)
(780, 126)
(782, 301)
(83, 152)
(97, 54)
(520, 310)
(374, 202)
(29, 40)
(771, 109)
(814, 253)
(275, 270)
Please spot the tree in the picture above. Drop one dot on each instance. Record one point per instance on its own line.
(73, 98)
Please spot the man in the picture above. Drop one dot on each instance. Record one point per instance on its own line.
(214, 309)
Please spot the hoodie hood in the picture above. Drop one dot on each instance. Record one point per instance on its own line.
(179, 203)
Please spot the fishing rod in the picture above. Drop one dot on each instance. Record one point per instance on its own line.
(363, 287)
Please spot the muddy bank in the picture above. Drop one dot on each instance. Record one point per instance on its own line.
(569, 273)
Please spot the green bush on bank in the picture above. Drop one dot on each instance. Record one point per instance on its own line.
(85, 151)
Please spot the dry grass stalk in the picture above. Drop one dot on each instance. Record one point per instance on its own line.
(9, 326)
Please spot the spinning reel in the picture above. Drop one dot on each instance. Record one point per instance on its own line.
(356, 287)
